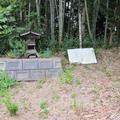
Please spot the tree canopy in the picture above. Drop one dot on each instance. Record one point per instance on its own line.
(63, 23)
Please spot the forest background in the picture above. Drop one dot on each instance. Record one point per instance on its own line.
(63, 24)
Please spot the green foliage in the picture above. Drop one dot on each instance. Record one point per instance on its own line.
(7, 24)
(78, 82)
(5, 81)
(98, 51)
(14, 13)
(87, 42)
(18, 47)
(98, 43)
(3, 93)
(67, 76)
(44, 107)
(69, 42)
(11, 107)
(46, 54)
(11, 54)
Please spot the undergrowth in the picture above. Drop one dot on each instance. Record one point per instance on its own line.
(11, 107)
(67, 76)
(5, 81)
(44, 110)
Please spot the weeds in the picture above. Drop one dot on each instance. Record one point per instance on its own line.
(46, 54)
(11, 107)
(44, 107)
(95, 89)
(108, 72)
(56, 97)
(74, 101)
(40, 83)
(3, 93)
(67, 77)
(98, 51)
(77, 81)
(5, 81)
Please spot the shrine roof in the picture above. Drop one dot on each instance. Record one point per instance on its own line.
(29, 33)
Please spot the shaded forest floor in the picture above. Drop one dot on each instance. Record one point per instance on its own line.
(95, 97)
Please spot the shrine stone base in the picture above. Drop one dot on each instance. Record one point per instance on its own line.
(32, 69)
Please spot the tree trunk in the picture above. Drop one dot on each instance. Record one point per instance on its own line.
(69, 20)
(38, 12)
(111, 37)
(52, 16)
(88, 22)
(96, 7)
(106, 23)
(60, 21)
(83, 22)
(80, 25)
(21, 14)
(29, 11)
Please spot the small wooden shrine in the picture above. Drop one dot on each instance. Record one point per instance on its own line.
(30, 38)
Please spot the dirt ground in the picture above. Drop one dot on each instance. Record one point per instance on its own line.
(95, 97)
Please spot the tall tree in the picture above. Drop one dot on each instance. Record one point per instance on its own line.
(80, 23)
(60, 21)
(52, 16)
(88, 21)
(29, 11)
(96, 6)
(106, 22)
(38, 11)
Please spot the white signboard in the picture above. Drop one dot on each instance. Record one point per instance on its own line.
(82, 56)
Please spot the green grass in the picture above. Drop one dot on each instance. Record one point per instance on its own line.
(5, 84)
(5, 81)
(44, 110)
(4, 93)
(44, 107)
(11, 107)
(74, 103)
(67, 76)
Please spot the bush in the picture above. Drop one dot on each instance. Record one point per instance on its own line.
(5, 81)
(69, 43)
(46, 54)
(17, 47)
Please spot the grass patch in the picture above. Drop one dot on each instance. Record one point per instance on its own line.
(11, 107)
(44, 110)
(108, 72)
(5, 84)
(4, 93)
(74, 103)
(5, 81)
(67, 76)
